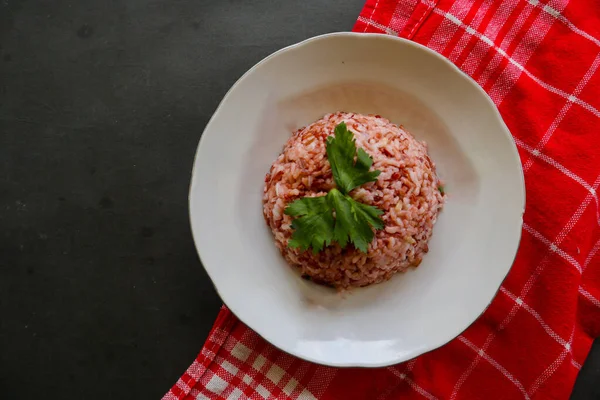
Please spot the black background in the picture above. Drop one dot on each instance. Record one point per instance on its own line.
(102, 104)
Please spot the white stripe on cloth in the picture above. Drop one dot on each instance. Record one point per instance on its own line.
(412, 384)
(459, 47)
(589, 296)
(409, 366)
(447, 28)
(551, 369)
(561, 168)
(553, 247)
(534, 35)
(479, 50)
(515, 28)
(495, 364)
(372, 13)
(535, 315)
(377, 25)
(580, 86)
(591, 255)
(401, 15)
(216, 385)
(554, 13)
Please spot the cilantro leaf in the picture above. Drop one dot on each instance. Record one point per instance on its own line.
(316, 227)
(341, 150)
(353, 220)
(319, 221)
(308, 206)
(314, 224)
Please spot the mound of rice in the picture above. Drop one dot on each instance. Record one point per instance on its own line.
(406, 190)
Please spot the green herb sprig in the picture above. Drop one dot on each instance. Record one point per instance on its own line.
(337, 217)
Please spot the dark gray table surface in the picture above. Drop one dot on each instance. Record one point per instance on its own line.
(102, 104)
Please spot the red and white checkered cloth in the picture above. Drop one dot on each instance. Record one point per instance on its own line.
(538, 60)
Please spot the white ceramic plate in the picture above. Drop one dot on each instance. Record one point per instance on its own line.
(474, 241)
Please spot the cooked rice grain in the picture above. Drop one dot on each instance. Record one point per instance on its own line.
(406, 190)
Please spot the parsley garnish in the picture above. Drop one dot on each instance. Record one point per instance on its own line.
(314, 223)
(341, 151)
(337, 217)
